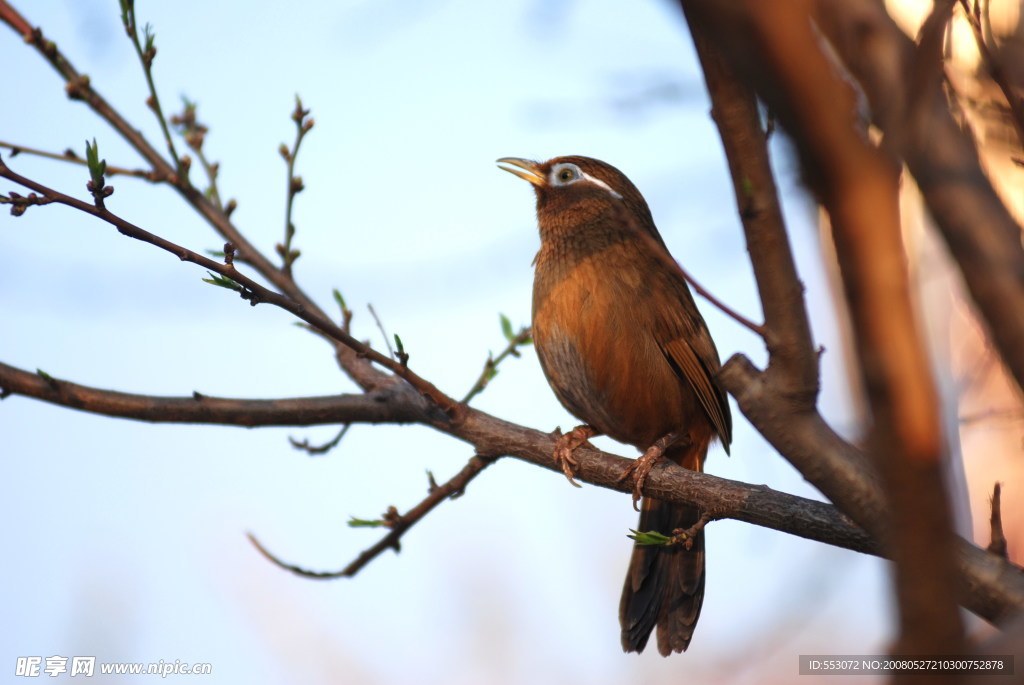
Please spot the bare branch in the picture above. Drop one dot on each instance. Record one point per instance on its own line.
(789, 421)
(981, 234)
(399, 525)
(488, 435)
(372, 407)
(490, 370)
(79, 87)
(71, 156)
(303, 125)
(250, 289)
(996, 70)
(316, 450)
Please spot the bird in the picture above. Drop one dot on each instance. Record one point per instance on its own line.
(625, 349)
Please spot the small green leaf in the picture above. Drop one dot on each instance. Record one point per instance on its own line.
(45, 376)
(506, 328)
(216, 253)
(223, 282)
(650, 537)
(398, 344)
(339, 299)
(97, 167)
(365, 523)
(125, 8)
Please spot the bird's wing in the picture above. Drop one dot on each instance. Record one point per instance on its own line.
(683, 338)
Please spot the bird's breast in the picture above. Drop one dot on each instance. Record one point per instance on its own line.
(593, 326)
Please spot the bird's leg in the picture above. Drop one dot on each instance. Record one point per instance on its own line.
(639, 469)
(567, 444)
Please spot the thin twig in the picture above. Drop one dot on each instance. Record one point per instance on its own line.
(249, 289)
(490, 370)
(79, 87)
(146, 54)
(303, 125)
(757, 328)
(71, 156)
(316, 450)
(380, 327)
(994, 66)
(399, 525)
(194, 133)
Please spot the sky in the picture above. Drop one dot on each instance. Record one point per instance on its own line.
(126, 541)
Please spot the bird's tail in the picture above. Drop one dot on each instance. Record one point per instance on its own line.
(664, 585)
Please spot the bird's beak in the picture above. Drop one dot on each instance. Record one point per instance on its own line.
(523, 168)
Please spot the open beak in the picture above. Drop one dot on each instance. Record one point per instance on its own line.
(523, 168)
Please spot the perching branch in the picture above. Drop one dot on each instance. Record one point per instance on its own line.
(489, 435)
(781, 398)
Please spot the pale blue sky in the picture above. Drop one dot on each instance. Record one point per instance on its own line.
(126, 540)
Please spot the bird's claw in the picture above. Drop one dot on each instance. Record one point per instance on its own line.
(685, 536)
(640, 468)
(566, 445)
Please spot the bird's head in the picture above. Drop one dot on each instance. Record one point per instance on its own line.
(576, 192)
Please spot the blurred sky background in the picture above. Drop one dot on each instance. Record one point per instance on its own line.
(126, 541)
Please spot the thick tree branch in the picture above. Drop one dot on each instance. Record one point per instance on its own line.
(794, 427)
(793, 358)
(490, 437)
(991, 587)
(983, 238)
(858, 185)
(780, 401)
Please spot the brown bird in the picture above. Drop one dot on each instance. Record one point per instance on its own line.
(626, 351)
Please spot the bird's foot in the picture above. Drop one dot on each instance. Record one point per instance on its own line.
(641, 467)
(567, 444)
(685, 536)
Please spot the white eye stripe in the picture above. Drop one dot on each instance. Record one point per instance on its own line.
(599, 182)
(577, 174)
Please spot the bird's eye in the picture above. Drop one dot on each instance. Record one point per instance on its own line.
(566, 174)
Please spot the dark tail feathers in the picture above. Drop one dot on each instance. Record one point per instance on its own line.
(664, 585)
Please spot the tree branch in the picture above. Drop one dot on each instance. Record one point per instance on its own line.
(372, 407)
(780, 401)
(983, 238)
(858, 185)
(249, 289)
(399, 525)
(789, 421)
(489, 435)
(79, 87)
